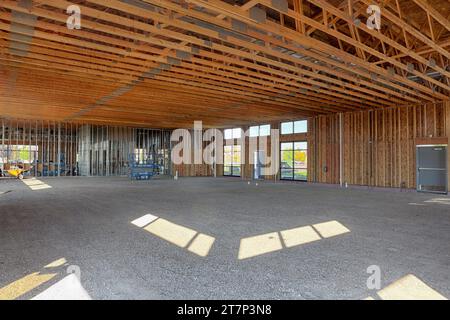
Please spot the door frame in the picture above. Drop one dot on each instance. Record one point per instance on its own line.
(293, 168)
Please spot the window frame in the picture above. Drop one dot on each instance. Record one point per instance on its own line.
(292, 125)
(258, 127)
(294, 168)
(232, 165)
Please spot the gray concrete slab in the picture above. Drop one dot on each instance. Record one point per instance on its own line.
(87, 222)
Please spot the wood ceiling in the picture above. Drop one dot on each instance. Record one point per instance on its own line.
(166, 63)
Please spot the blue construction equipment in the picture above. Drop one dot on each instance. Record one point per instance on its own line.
(51, 169)
(142, 167)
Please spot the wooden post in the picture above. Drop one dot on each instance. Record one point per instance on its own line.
(341, 152)
(447, 134)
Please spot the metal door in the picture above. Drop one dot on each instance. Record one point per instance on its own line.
(432, 168)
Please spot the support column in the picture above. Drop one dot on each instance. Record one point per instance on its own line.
(59, 149)
(341, 151)
(447, 133)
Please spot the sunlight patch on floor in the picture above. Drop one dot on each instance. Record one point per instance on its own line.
(299, 236)
(409, 288)
(258, 245)
(69, 288)
(178, 235)
(56, 264)
(439, 201)
(24, 285)
(169, 231)
(144, 220)
(202, 244)
(35, 184)
(275, 241)
(330, 229)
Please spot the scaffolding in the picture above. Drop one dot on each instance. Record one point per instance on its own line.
(144, 166)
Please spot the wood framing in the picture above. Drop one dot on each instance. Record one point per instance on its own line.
(379, 145)
(167, 63)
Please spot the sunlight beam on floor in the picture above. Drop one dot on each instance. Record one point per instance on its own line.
(68, 288)
(144, 220)
(202, 244)
(56, 263)
(258, 245)
(330, 229)
(298, 236)
(181, 236)
(274, 241)
(409, 288)
(169, 231)
(24, 285)
(439, 200)
(35, 184)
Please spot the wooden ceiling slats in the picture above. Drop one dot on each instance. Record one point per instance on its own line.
(237, 42)
(325, 64)
(219, 6)
(105, 29)
(165, 99)
(254, 47)
(314, 83)
(287, 45)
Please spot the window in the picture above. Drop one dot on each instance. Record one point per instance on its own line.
(228, 133)
(301, 126)
(294, 161)
(287, 128)
(232, 154)
(264, 130)
(232, 133)
(232, 161)
(291, 127)
(237, 133)
(25, 154)
(260, 131)
(254, 131)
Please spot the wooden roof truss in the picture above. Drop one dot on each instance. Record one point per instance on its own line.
(166, 63)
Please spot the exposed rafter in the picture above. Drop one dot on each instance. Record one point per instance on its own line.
(223, 63)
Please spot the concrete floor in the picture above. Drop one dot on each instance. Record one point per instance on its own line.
(87, 222)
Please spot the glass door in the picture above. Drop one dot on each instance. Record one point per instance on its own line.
(294, 161)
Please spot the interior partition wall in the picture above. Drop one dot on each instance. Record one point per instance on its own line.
(49, 148)
(41, 148)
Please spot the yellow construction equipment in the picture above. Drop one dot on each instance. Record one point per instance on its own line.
(17, 172)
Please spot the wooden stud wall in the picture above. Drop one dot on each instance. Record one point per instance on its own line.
(378, 145)
(193, 170)
(323, 149)
(67, 149)
(447, 133)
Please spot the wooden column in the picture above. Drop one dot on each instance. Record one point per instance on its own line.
(447, 134)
